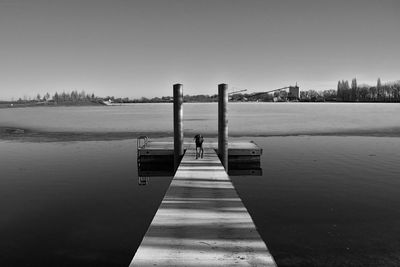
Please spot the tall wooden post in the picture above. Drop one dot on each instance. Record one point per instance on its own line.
(178, 124)
(223, 124)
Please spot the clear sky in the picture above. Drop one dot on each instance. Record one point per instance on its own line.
(141, 48)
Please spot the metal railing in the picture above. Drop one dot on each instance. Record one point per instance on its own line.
(141, 142)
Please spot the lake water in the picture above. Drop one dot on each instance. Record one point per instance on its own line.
(328, 196)
(253, 119)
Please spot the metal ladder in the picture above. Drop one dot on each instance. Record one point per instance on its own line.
(141, 142)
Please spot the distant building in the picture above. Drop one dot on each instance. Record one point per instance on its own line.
(294, 92)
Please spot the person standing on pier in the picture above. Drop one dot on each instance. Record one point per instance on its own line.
(199, 145)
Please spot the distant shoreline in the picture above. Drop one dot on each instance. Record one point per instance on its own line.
(28, 105)
(27, 135)
(95, 104)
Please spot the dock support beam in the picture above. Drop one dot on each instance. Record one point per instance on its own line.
(178, 124)
(223, 124)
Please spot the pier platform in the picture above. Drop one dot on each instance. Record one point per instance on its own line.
(157, 158)
(201, 220)
(238, 148)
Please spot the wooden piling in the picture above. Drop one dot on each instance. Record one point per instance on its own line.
(178, 124)
(223, 124)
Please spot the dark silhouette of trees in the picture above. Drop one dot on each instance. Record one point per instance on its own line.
(343, 91)
(379, 89)
(388, 92)
(71, 98)
(318, 96)
(354, 91)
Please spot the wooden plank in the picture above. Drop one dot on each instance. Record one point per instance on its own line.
(246, 172)
(157, 148)
(202, 221)
(244, 152)
(244, 148)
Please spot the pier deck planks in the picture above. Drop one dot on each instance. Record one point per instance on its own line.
(202, 221)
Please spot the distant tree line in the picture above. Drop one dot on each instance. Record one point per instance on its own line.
(164, 99)
(388, 92)
(73, 97)
(345, 92)
(318, 96)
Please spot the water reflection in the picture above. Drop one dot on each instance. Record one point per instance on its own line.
(143, 180)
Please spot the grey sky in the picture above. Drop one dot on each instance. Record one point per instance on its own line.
(140, 48)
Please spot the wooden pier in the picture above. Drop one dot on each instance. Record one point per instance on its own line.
(201, 220)
(238, 148)
(157, 158)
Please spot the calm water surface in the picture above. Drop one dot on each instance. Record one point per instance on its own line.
(244, 118)
(73, 204)
(321, 201)
(327, 201)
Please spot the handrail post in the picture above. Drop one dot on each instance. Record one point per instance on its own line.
(223, 124)
(178, 124)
